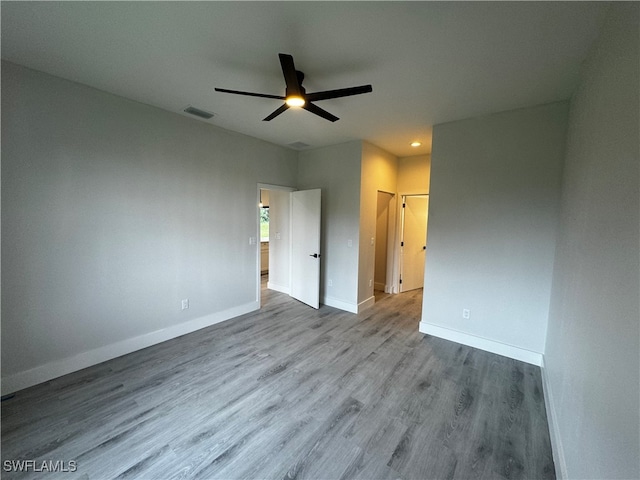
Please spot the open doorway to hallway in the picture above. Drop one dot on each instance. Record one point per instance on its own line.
(274, 233)
(289, 254)
(264, 233)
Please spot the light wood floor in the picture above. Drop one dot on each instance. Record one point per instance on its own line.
(289, 393)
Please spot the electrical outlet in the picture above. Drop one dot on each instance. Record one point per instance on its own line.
(185, 304)
(370, 282)
(349, 243)
(330, 282)
(466, 313)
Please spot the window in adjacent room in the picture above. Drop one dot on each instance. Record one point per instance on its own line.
(264, 224)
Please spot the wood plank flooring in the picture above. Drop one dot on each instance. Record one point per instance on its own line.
(291, 393)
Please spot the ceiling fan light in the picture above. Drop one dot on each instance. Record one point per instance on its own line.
(415, 144)
(295, 101)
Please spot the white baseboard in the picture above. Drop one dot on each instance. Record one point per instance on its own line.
(492, 346)
(46, 372)
(554, 427)
(347, 306)
(278, 288)
(340, 304)
(368, 303)
(380, 286)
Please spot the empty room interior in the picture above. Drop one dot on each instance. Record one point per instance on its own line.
(328, 240)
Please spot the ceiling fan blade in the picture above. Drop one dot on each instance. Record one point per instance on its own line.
(290, 75)
(249, 94)
(319, 111)
(341, 92)
(276, 113)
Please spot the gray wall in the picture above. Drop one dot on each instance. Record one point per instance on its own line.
(493, 212)
(336, 170)
(592, 354)
(350, 175)
(112, 212)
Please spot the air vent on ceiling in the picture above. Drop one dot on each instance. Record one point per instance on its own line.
(299, 145)
(198, 113)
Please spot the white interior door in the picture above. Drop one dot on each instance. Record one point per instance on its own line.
(305, 246)
(414, 241)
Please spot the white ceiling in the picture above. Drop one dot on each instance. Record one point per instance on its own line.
(428, 62)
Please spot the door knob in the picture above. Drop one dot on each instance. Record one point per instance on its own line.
(314, 255)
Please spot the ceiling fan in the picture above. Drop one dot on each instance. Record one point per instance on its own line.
(296, 95)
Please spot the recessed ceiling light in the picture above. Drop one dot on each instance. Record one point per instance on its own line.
(415, 144)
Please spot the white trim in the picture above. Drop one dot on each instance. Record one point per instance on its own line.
(340, 304)
(278, 288)
(554, 426)
(48, 371)
(492, 346)
(368, 303)
(380, 286)
(347, 306)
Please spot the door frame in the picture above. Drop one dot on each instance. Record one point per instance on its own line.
(397, 252)
(264, 186)
(391, 276)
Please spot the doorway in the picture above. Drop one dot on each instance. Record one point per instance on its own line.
(289, 251)
(273, 231)
(413, 241)
(264, 233)
(385, 221)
